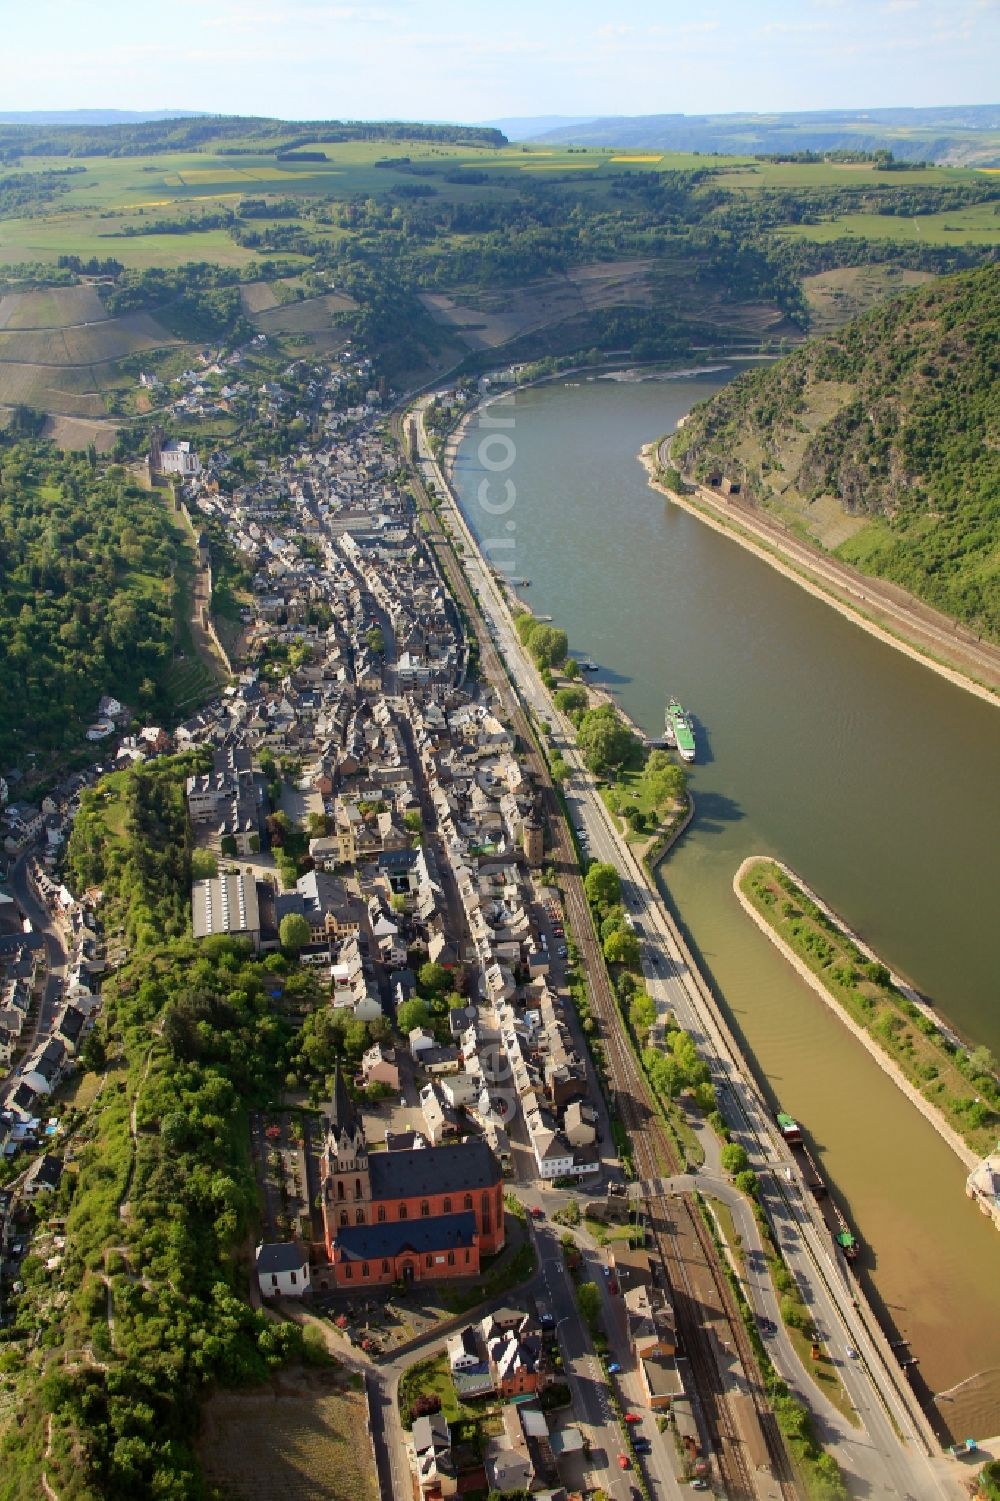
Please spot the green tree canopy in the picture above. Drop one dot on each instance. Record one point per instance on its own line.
(642, 1011)
(602, 885)
(204, 865)
(605, 739)
(622, 947)
(571, 700)
(412, 1013)
(734, 1158)
(434, 979)
(294, 932)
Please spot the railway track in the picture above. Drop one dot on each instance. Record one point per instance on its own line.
(703, 1300)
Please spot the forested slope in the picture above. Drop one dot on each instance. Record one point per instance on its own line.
(897, 417)
(89, 564)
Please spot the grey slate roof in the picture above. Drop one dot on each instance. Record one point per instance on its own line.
(448, 1232)
(458, 1168)
(281, 1256)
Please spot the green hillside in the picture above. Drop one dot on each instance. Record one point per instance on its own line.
(881, 441)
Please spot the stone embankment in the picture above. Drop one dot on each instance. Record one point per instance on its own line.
(883, 610)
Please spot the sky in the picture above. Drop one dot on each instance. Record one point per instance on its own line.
(470, 60)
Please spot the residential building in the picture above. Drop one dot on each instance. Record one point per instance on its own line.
(282, 1269)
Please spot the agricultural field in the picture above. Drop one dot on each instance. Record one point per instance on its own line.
(68, 392)
(110, 195)
(977, 224)
(84, 344)
(304, 1439)
(51, 307)
(443, 269)
(311, 315)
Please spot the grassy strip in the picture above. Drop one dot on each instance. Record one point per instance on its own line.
(961, 1085)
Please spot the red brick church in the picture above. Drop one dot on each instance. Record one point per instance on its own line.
(414, 1215)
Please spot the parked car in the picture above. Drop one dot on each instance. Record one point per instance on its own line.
(614, 1368)
(606, 1270)
(624, 1462)
(632, 1417)
(699, 1485)
(537, 1213)
(643, 1446)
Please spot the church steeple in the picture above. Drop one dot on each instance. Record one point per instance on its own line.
(343, 1115)
(346, 1183)
(345, 1134)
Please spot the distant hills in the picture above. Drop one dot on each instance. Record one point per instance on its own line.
(892, 425)
(96, 116)
(957, 135)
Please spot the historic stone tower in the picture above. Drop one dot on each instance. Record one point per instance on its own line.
(534, 848)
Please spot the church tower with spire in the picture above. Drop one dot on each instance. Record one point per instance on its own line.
(347, 1192)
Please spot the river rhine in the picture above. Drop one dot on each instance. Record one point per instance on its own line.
(868, 773)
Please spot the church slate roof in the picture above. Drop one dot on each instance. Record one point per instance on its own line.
(448, 1232)
(460, 1167)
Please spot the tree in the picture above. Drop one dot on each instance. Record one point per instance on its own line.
(982, 1064)
(622, 947)
(666, 1077)
(560, 769)
(613, 921)
(93, 1055)
(734, 1158)
(203, 865)
(569, 700)
(376, 640)
(588, 1298)
(318, 825)
(294, 932)
(602, 885)
(694, 1069)
(412, 1013)
(571, 668)
(413, 821)
(642, 1011)
(548, 645)
(605, 739)
(433, 979)
(989, 1480)
(397, 902)
(746, 1182)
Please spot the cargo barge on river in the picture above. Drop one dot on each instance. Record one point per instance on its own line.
(836, 1223)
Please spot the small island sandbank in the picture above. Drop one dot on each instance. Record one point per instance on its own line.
(954, 1088)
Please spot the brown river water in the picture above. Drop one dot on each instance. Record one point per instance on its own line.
(870, 775)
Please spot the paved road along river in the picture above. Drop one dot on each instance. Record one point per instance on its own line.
(863, 770)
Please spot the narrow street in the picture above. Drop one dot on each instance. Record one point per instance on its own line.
(56, 958)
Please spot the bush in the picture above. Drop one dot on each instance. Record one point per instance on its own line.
(734, 1158)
